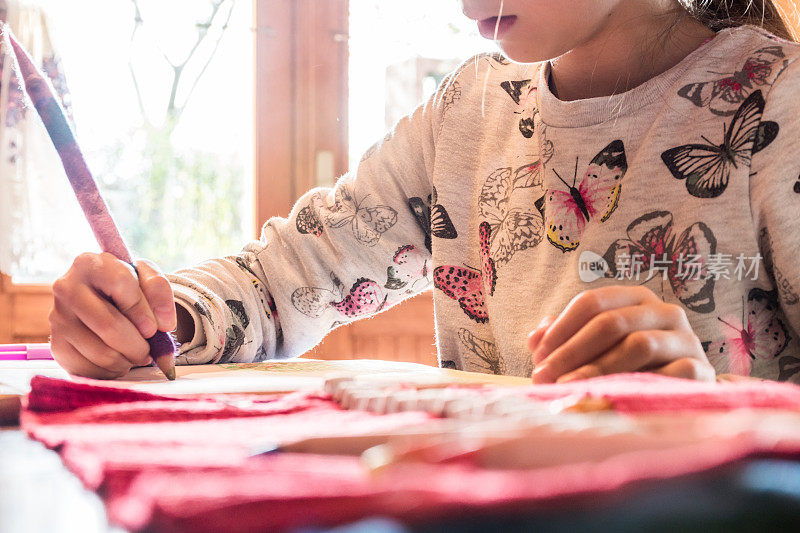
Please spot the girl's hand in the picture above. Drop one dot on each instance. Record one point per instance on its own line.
(102, 314)
(617, 329)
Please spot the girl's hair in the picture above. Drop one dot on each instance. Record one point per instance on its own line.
(719, 14)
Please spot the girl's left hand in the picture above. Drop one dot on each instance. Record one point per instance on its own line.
(617, 329)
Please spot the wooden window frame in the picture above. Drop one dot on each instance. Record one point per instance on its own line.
(24, 310)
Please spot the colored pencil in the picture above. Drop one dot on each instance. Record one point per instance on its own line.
(162, 347)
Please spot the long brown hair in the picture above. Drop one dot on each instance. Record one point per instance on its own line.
(719, 14)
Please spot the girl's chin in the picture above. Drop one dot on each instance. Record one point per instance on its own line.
(520, 54)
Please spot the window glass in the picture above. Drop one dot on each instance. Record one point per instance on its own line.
(399, 51)
(162, 97)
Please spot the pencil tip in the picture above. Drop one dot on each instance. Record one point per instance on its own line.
(166, 363)
(162, 350)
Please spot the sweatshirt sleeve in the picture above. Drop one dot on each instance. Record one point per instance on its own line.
(775, 194)
(344, 253)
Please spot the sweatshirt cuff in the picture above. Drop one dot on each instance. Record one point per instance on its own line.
(205, 346)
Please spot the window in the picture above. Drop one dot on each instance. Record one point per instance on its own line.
(162, 104)
(399, 52)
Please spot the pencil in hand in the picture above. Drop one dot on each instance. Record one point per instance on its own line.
(162, 347)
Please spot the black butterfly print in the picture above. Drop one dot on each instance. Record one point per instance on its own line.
(491, 59)
(234, 334)
(653, 235)
(484, 356)
(707, 167)
(203, 310)
(796, 187)
(788, 366)
(432, 218)
(261, 355)
(234, 340)
(524, 95)
(784, 286)
(308, 220)
(499, 58)
(723, 95)
(451, 95)
(244, 265)
(366, 223)
(447, 363)
(515, 224)
(263, 294)
(237, 310)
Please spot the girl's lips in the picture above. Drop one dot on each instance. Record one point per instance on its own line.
(487, 26)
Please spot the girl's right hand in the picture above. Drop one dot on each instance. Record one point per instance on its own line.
(102, 313)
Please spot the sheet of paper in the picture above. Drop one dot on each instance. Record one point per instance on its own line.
(264, 377)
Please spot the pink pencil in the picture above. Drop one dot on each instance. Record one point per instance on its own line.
(23, 352)
(162, 347)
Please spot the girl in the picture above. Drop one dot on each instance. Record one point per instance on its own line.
(617, 193)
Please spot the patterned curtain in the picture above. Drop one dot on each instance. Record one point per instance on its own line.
(40, 225)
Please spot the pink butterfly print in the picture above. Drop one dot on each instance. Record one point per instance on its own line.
(723, 96)
(365, 297)
(488, 271)
(652, 236)
(409, 266)
(759, 334)
(595, 196)
(466, 285)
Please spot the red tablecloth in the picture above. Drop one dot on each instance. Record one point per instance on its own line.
(170, 464)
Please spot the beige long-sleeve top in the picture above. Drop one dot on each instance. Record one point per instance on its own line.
(510, 202)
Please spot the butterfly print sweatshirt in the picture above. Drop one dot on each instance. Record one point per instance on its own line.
(508, 202)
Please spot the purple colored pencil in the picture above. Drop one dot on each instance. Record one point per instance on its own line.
(105, 231)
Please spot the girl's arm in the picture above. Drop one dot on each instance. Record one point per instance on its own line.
(343, 253)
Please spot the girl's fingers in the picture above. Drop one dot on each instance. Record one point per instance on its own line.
(606, 330)
(108, 324)
(92, 347)
(688, 368)
(73, 362)
(638, 351)
(118, 281)
(586, 306)
(536, 335)
(158, 293)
